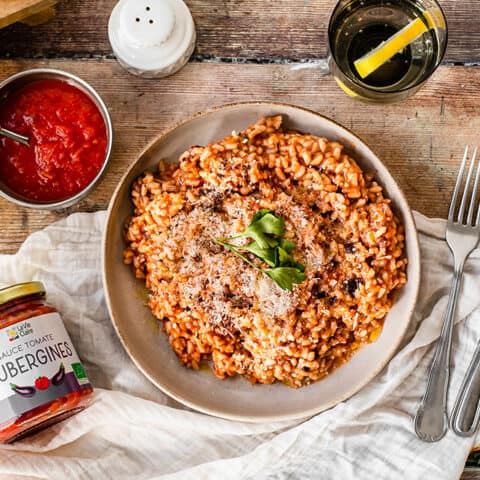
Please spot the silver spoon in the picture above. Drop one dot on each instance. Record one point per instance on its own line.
(14, 136)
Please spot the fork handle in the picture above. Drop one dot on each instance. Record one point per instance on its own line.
(431, 421)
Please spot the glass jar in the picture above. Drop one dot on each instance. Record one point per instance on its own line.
(42, 380)
(374, 31)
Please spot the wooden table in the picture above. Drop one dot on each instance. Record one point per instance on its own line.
(254, 49)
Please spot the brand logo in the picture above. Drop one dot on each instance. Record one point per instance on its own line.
(12, 334)
(22, 330)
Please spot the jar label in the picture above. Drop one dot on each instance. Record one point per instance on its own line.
(38, 364)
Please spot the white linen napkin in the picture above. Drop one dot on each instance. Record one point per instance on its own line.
(132, 430)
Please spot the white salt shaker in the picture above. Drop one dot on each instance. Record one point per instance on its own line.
(152, 38)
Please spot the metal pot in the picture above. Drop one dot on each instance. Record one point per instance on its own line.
(16, 81)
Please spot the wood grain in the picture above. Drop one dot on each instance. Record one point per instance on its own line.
(12, 11)
(471, 474)
(41, 17)
(259, 30)
(420, 140)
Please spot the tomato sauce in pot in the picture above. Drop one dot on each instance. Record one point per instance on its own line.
(68, 141)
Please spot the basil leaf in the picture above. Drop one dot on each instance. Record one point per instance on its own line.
(283, 258)
(299, 266)
(270, 224)
(263, 241)
(234, 249)
(266, 230)
(285, 277)
(260, 214)
(286, 260)
(287, 245)
(268, 255)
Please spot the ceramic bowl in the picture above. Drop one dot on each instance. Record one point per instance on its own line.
(142, 335)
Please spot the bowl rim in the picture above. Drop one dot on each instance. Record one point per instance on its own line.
(76, 81)
(276, 417)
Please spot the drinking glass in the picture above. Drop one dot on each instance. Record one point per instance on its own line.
(358, 27)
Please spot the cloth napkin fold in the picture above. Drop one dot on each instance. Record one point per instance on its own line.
(132, 430)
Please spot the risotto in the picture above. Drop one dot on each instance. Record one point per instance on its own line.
(215, 307)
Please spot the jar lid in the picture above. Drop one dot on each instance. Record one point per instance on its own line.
(151, 35)
(20, 290)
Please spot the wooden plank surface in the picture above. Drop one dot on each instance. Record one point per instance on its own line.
(420, 140)
(259, 30)
(471, 474)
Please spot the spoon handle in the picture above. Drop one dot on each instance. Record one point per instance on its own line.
(14, 136)
(463, 421)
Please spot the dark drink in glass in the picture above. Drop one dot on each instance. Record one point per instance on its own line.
(358, 27)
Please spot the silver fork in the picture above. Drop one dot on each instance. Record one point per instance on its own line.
(431, 421)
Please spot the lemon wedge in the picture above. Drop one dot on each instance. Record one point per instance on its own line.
(389, 48)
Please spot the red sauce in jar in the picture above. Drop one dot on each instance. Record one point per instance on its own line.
(42, 380)
(68, 141)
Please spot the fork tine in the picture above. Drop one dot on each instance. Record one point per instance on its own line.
(477, 221)
(474, 191)
(463, 205)
(453, 202)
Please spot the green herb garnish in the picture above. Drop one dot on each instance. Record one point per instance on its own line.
(266, 232)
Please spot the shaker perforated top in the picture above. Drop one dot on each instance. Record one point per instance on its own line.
(152, 38)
